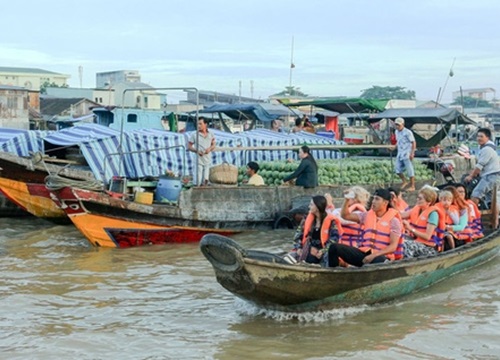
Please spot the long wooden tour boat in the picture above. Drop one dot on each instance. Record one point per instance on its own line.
(268, 281)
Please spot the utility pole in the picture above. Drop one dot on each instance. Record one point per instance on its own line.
(292, 66)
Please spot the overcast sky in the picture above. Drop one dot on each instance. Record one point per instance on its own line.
(341, 47)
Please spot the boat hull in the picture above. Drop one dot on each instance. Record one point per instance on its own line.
(112, 230)
(267, 281)
(33, 198)
(22, 181)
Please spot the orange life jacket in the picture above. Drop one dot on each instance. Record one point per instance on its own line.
(452, 209)
(466, 233)
(474, 221)
(325, 227)
(419, 221)
(377, 233)
(353, 233)
(402, 205)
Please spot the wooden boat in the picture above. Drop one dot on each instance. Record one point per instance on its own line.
(138, 237)
(22, 181)
(221, 209)
(268, 281)
(108, 221)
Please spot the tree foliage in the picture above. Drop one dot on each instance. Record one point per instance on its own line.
(388, 92)
(471, 102)
(291, 91)
(46, 84)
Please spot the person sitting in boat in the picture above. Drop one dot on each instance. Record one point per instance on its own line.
(352, 230)
(308, 125)
(382, 235)
(424, 224)
(307, 172)
(487, 168)
(463, 233)
(474, 215)
(298, 126)
(316, 232)
(254, 178)
(455, 213)
(397, 201)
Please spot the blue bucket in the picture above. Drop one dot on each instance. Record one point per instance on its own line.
(168, 189)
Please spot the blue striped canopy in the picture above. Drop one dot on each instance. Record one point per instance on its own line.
(151, 152)
(21, 142)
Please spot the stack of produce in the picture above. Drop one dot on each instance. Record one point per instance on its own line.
(339, 172)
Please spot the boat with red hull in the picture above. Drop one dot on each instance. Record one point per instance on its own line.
(108, 221)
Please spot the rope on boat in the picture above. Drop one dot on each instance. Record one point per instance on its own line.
(56, 181)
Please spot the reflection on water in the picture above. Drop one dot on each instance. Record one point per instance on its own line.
(61, 297)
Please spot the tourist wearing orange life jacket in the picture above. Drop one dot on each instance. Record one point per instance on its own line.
(425, 224)
(451, 218)
(397, 201)
(382, 234)
(474, 215)
(316, 232)
(456, 233)
(353, 231)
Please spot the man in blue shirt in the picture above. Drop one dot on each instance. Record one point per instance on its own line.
(406, 144)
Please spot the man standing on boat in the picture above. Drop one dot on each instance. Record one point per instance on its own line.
(406, 144)
(202, 143)
(382, 236)
(487, 168)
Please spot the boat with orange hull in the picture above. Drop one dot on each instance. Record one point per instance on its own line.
(114, 222)
(33, 198)
(22, 181)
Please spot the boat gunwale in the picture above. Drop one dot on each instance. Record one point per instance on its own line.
(369, 268)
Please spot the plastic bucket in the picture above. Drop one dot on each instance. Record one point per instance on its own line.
(144, 198)
(168, 189)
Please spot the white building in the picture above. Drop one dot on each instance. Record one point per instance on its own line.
(111, 78)
(30, 78)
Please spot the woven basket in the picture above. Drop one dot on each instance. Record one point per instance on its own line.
(224, 174)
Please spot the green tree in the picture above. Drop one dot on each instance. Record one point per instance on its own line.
(470, 102)
(46, 84)
(388, 92)
(291, 91)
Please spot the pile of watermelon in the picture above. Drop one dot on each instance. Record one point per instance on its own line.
(339, 171)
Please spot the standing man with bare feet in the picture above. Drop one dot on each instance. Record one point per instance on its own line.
(405, 141)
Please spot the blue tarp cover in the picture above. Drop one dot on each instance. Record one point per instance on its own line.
(150, 152)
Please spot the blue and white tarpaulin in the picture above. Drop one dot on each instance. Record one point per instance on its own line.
(150, 152)
(80, 133)
(22, 142)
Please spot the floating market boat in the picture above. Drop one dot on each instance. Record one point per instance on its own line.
(268, 281)
(110, 221)
(22, 181)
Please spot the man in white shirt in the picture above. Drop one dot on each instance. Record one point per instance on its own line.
(406, 145)
(487, 167)
(202, 143)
